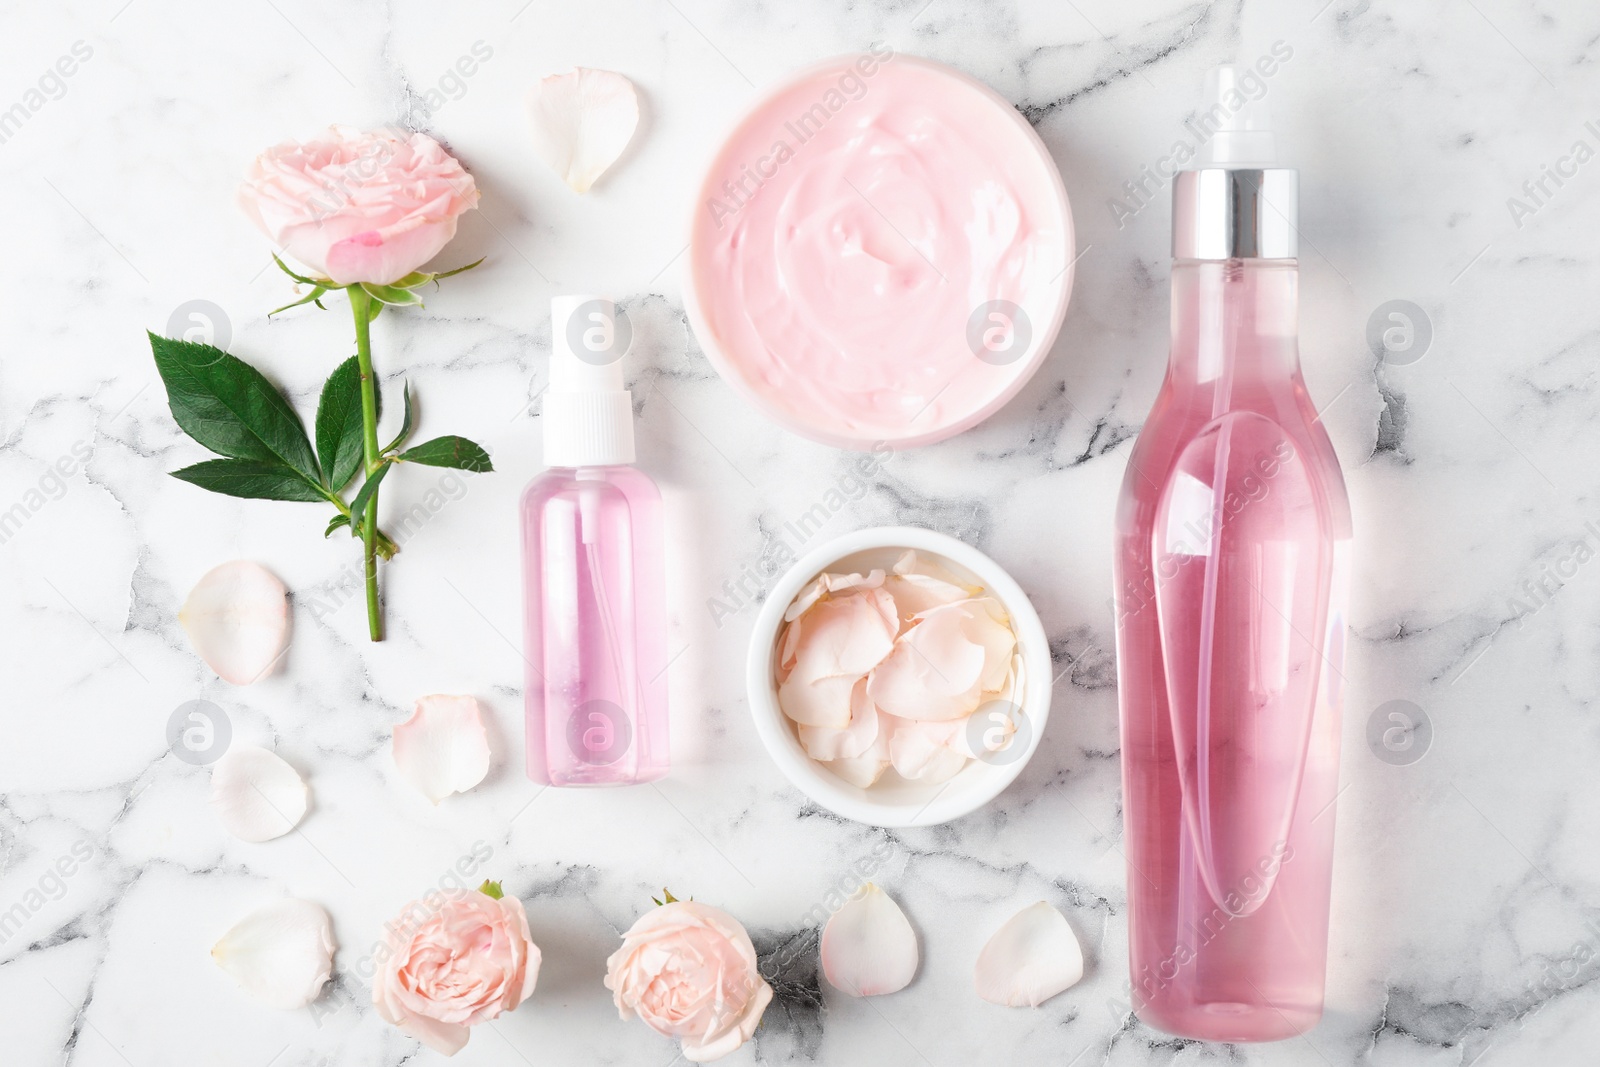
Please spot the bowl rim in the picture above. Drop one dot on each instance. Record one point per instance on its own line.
(1024, 369)
(821, 785)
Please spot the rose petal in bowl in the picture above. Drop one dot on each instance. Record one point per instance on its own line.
(868, 946)
(826, 743)
(918, 586)
(828, 648)
(927, 751)
(281, 954)
(935, 669)
(443, 748)
(1030, 959)
(237, 618)
(256, 794)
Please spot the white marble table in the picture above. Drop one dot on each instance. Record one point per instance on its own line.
(1467, 904)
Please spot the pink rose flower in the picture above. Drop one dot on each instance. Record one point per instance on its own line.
(449, 967)
(689, 971)
(359, 207)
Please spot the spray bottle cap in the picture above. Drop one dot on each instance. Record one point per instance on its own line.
(1244, 137)
(588, 414)
(1235, 203)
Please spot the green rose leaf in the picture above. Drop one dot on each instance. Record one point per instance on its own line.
(228, 406)
(358, 506)
(251, 479)
(339, 424)
(492, 889)
(405, 424)
(335, 523)
(452, 451)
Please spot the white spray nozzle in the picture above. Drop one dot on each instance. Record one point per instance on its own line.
(588, 411)
(588, 338)
(1237, 120)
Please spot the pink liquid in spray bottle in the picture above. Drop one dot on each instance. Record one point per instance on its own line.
(594, 571)
(1233, 535)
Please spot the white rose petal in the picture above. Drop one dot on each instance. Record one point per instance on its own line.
(826, 743)
(927, 751)
(868, 946)
(828, 648)
(256, 794)
(1030, 959)
(442, 748)
(943, 665)
(860, 771)
(237, 618)
(992, 629)
(830, 583)
(281, 954)
(935, 668)
(918, 586)
(582, 121)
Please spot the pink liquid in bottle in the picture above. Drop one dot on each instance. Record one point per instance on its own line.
(595, 619)
(595, 628)
(1233, 535)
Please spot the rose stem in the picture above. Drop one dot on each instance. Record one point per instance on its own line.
(361, 307)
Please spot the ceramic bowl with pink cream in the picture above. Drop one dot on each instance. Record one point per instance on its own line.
(880, 251)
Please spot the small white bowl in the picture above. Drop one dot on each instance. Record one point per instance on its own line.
(894, 801)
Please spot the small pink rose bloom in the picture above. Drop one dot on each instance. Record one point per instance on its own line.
(450, 965)
(358, 207)
(689, 971)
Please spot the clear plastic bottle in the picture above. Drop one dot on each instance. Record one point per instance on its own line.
(1233, 544)
(595, 622)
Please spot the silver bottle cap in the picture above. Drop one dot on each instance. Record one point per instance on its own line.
(1236, 213)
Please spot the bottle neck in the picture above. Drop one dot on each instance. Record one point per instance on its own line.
(1234, 317)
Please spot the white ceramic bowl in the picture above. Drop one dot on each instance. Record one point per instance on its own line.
(1054, 206)
(894, 801)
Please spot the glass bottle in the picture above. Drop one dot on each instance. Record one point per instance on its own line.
(594, 576)
(1232, 558)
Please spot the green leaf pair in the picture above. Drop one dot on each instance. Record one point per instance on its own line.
(231, 408)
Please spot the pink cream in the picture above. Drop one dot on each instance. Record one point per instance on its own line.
(880, 252)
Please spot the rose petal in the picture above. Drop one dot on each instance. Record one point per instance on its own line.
(860, 771)
(237, 618)
(256, 794)
(281, 954)
(868, 946)
(830, 583)
(1030, 959)
(926, 751)
(991, 628)
(826, 743)
(934, 670)
(918, 586)
(833, 645)
(442, 748)
(582, 120)
(846, 635)
(941, 667)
